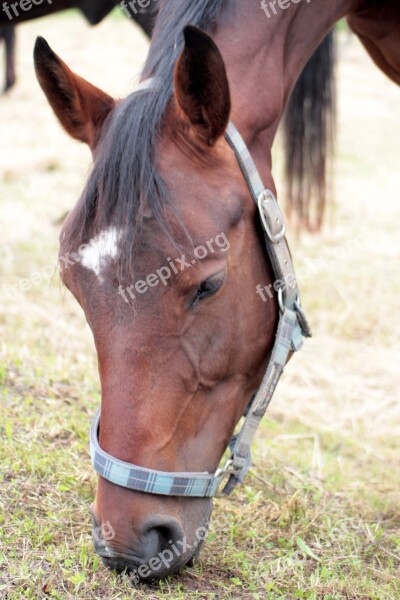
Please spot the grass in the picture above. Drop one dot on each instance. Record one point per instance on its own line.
(288, 533)
(318, 515)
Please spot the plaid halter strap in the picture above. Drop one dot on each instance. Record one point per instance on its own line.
(292, 327)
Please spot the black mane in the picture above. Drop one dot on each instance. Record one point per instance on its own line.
(124, 180)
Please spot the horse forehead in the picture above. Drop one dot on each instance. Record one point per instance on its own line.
(100, 250)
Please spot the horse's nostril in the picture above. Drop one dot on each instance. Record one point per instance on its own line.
(152, 543)
(160, 534)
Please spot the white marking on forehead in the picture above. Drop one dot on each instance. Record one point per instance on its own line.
(95, 255)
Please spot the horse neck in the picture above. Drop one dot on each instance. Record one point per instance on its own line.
(264, 56)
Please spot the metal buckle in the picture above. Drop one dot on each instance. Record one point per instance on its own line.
(225, 472)
(271, 216)
(224, 469)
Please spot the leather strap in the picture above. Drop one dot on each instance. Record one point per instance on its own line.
(292, 322)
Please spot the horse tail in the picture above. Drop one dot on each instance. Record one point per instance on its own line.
(309, 127)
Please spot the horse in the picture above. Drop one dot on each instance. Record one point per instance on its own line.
(93, 10)
(7, 33)
(183, 339)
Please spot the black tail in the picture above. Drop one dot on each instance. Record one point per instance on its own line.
(309, 126)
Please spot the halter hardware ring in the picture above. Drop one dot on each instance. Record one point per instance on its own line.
(224, 469)
(302, 318)
(225, 474)
(280, 300)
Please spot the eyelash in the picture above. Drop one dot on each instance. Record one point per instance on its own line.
(207, 288)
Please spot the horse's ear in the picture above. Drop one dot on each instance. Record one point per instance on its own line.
(201, 85)
(80, 107)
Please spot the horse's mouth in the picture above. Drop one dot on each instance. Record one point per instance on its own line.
(139, 570)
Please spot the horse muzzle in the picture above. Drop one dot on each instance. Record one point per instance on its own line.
(161, 549)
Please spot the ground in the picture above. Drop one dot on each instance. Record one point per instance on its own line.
(318, 517)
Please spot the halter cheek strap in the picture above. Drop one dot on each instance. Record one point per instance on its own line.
(292, 327)
(292, 324)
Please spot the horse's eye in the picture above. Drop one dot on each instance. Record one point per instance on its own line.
(207, 288)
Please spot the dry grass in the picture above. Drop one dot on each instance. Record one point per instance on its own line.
(318, 517)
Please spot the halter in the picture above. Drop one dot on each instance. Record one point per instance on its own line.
(292, 327)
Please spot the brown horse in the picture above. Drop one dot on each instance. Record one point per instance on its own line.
(179, 362)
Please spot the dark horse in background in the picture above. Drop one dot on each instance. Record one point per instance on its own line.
(93, 10)
(179, 364)
(7, 34)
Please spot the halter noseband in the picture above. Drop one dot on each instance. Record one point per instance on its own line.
(292, 327)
